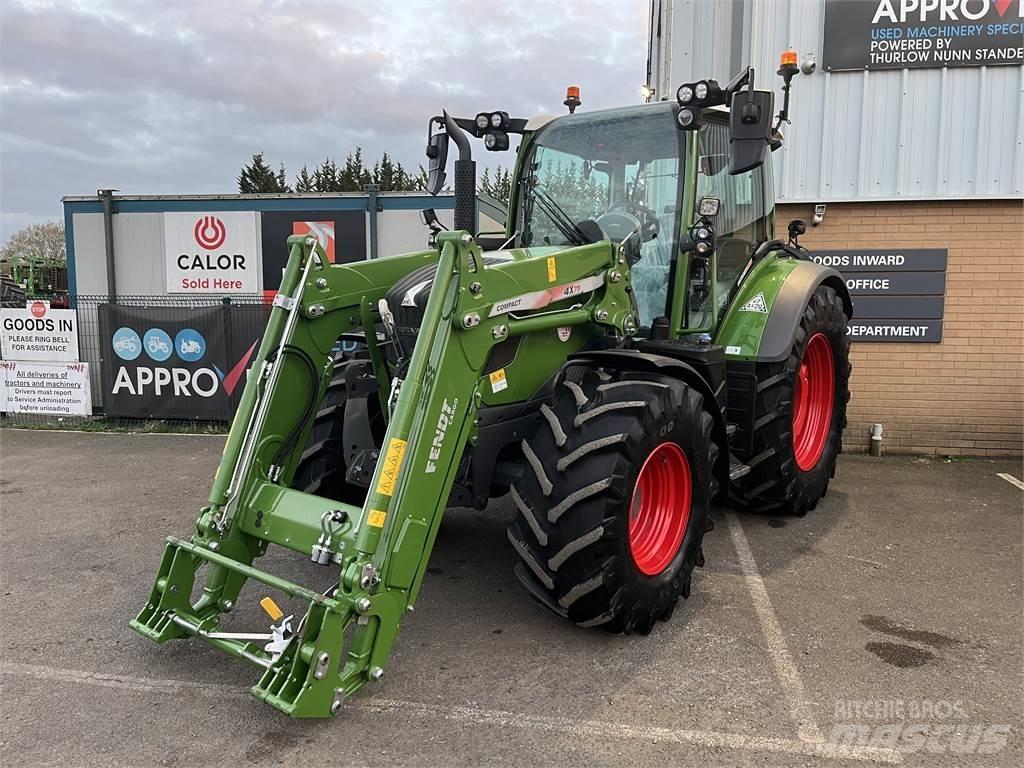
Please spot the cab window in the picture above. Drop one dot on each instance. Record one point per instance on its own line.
(746, 216)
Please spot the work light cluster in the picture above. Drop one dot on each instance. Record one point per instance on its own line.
(493, 127)
(693, 97)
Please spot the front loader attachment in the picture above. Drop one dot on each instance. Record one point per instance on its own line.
(311, 663)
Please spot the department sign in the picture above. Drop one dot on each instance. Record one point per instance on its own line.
(899, 34)
(898, 293)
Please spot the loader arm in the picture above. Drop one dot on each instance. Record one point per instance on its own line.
(381, 550)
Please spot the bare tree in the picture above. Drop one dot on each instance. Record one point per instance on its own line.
(40, 243)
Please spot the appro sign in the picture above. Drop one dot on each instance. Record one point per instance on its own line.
(898, 34)
(166, 363)
(211, 252)
(39, 333)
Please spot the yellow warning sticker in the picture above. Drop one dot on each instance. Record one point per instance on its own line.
(376, 518)
(498, 381)
(392, 463)
(552, 270)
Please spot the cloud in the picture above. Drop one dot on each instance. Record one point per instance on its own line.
(162, 98)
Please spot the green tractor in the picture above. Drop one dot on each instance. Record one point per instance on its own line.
(635, 346)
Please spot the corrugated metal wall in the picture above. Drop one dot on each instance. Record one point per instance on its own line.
(951, 133)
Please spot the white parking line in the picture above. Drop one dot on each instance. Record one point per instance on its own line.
(1011, 479)
(571, 727)
(799, 708)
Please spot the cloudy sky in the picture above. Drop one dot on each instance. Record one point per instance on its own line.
(172, 96)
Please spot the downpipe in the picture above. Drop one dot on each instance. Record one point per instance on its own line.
(875, 447)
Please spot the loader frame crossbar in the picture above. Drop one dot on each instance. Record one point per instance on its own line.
(381, 550)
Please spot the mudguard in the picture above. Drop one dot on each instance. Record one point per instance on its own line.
(632, 359)
(763, 318)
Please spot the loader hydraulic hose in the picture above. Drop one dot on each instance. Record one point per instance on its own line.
(311, 402)
(242, 423)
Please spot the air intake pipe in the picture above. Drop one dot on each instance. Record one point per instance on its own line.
(465, 178)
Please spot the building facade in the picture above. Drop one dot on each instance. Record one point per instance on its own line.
(905, 157)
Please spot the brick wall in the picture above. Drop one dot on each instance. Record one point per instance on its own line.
(964, 396)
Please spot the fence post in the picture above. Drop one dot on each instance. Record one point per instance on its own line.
(107, 199)
(371, 207)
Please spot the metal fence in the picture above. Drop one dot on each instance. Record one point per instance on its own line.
(160, 363)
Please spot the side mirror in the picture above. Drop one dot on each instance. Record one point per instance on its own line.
(750, 129)
(796, 228)
(437, 154)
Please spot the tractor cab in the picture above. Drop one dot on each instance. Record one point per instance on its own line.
(684, 189)
(632, 177)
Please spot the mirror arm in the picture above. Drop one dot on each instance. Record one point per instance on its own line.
(738, 82)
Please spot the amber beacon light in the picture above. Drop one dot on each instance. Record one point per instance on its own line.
(572, 98)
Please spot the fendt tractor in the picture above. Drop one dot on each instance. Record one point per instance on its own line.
(634, 347)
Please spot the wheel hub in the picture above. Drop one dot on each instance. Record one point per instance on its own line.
(660, 508)
(813, 398)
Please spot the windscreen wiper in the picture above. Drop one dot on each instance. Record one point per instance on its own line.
(560, 218)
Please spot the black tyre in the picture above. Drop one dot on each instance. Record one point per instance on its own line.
(615, 499)
(322, 469)
(800, 414)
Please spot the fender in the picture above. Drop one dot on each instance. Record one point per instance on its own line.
(763, 318)
(789, 305)
(632, 359)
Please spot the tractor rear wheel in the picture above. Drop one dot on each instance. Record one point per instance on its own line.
(615, 499)
(800, 414)
(323, 466)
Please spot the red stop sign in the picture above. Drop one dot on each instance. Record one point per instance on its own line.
(38, 309)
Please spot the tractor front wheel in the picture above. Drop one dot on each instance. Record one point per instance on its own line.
(322, 468)
(615, 499)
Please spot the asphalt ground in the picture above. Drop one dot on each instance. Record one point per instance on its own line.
(884, 627)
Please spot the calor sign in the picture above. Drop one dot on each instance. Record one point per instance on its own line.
(214, 252)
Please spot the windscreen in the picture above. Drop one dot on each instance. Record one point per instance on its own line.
(619, 170)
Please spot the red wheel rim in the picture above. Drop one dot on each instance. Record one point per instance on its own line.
(659, 509)
(813, 398)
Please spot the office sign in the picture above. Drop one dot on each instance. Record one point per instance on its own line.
(174, 363)
(38, 332)
(898, 293)
(51, 389)
(906, 34)
(211, 252)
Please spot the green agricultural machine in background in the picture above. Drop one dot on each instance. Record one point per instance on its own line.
(635, 346)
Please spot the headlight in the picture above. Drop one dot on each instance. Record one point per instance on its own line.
(701, 90)
(482, 120)
(496, 141)
(496, 120)
(684, 94)
(685, 118)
